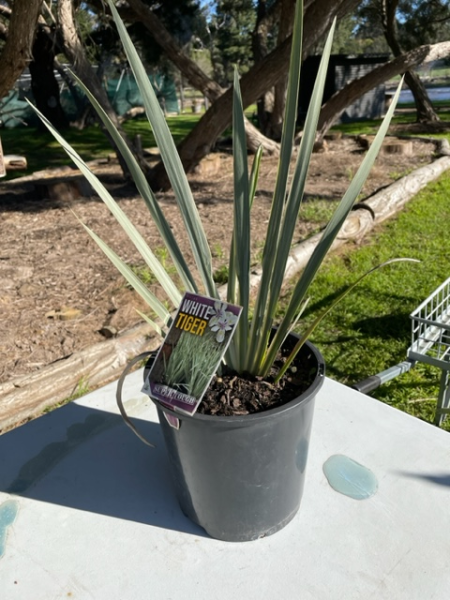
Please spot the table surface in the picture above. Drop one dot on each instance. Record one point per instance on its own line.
(96, 518)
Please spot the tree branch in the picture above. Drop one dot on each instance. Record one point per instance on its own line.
(5, 11)
(17, 50)
(261, 77)
(332, 109)
(195, 75)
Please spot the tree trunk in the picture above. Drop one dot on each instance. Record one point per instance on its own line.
(193, 73)
(80, 102)
(17, 50)
(44, 86)
(424, 107)
(74, 51)
(190, 70)
(264, 22)
(261, 77)
(332, 109)
(255, 139)
(284, 30)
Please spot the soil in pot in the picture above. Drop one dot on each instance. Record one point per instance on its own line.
(231, 394)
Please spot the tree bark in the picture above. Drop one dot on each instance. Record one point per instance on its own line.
(74, 52)
(196, 76)
(17, 50)
(265, 18)
(44, 85)
(424, 107)
(193, 73)
(332, 109)
(287, 11)
(261, 77)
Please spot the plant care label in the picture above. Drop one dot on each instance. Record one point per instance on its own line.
(191, 352)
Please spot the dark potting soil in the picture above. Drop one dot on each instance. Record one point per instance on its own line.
(231, 394)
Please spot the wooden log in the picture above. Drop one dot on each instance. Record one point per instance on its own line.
(209, 166)
(14, 162)
(333, 136)
(389, 201)
(63, 189)
(28, 396)
(360, 221)
(443, 147)
(398, 147)
(390, 145)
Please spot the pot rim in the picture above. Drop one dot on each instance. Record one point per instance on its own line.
(307, 395)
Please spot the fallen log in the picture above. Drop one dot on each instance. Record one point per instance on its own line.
(63, 189)
(29, 395)
(14, 162)
(374, 210)
(389, 201)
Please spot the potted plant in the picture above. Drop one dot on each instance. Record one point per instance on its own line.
(239, 476)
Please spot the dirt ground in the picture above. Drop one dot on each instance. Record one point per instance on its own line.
(60, 294)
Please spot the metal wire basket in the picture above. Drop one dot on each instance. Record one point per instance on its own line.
(431, 329)
(430, 343)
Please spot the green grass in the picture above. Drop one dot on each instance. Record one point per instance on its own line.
(317, 210)
(371, 126)
(370, 330)
(43, 152)
(148, 277)
(221, 275)
(82, 388)
(179, 126)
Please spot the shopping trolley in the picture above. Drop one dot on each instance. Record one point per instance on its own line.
(430, 343)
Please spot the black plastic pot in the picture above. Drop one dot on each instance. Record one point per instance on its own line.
(242, 478)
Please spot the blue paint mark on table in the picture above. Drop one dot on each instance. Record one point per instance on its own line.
(348, 477)
(8, 513)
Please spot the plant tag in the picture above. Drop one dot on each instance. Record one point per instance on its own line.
(173, 421)
(191, 353)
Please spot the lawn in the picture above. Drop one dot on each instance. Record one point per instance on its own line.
(42, 151)
(370, 330)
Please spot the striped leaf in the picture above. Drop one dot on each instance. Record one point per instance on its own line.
(170, 158)
(141, 245)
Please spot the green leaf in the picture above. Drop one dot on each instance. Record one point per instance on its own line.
(131, 231)
(309, 330)
(171, 160)
(132, 278)
(146, 192)
(295, 197)
(254, 175)
(329, 235)
(297, 189)
(240, 259)
(155, 326)
(259, 332)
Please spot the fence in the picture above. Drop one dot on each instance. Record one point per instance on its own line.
(121, 89)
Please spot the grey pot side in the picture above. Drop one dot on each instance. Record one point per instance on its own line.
(242, 478)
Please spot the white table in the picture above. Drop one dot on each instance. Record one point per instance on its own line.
(97, 519)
